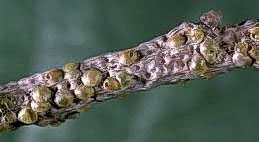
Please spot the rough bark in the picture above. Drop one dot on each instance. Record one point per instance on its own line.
(190, 51)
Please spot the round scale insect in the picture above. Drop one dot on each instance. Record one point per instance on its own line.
(240, 57)
(72, 75)
(198, 65)
(41, 94)
(83, 92)
(64, 98)
(111, 84)
(70, 67)
(27, 116)
(254, 33)
(125, 79)
(92, 77)
(209, 50)
(176, 40)
(40, 106)
(55, 76)
(128, 57)
(196, 35)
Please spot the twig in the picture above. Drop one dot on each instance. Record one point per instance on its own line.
(190, 51)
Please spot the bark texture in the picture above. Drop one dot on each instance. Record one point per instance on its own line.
(192, 50)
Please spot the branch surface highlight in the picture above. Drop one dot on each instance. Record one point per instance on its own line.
(189, 51)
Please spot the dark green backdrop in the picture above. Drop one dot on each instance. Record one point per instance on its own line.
(36, 35)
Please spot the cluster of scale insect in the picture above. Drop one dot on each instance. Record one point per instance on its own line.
(7, 114)
(69, 85)
(81, 85)
(247, 51)
(206, 50)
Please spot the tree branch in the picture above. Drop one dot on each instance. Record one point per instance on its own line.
(190, 51)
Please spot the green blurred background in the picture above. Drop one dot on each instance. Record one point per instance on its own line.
(36, 35)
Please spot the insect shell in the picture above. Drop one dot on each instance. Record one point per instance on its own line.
(41, 94)
(254, 33)
(125, 79)
(128, 57)
(240, 57)
(176, 40)
(54, 76)
(27, 116)
(40, 106)
(83, 92)
(111, 84)
(70, 67)
(198, 65)
(92, 77)
(64, 98)
(209, 49)
(196, 35)
(71, 71)
(72, 75)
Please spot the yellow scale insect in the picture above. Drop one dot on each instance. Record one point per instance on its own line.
(241, 57)
(128, 57)
(64, 97)
(40, 99)
(27, 115)
(92, 77)
(83, 92)
(198, 65)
